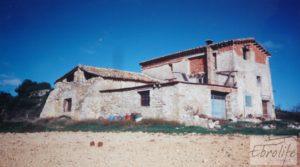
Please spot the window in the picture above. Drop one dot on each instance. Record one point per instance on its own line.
(258, 80)
(67, 105)
(248, 101)
(245, 52)
(171, 67)
(145, 98)
(215, 60)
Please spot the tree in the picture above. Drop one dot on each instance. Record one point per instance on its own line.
(29, 86)
(27, 103)
(6, 104)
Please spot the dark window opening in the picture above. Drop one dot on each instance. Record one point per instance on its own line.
(70, 77)
(218, 94)
(171, 67)
(88, 76)
(145, 98)
(258, 80)
(201, 79)
(67, 105)
(245, 52)
(215, 60)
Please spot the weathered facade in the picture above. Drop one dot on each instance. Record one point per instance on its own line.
(225, 80)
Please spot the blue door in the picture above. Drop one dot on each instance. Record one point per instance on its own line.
(218, 105)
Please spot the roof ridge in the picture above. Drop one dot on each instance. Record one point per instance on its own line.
(122, 73)
(111, 69)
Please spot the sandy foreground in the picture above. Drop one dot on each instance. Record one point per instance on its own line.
(122, 149)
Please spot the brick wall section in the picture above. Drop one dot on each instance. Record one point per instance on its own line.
(225, 49)
(197, 65)
(260, 57)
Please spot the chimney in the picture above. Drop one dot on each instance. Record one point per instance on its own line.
(209, 42)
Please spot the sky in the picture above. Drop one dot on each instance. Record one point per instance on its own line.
(43, 39)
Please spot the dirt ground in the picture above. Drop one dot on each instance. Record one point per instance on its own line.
(122, 149)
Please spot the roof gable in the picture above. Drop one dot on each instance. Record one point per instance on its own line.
(107, 73)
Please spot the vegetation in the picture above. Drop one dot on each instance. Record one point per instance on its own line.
(293, 115)
(146, 125)
(27, 104)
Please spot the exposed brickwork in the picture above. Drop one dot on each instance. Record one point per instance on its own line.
(224, 49)
(238, 49)
(197, 65)
(260, 57)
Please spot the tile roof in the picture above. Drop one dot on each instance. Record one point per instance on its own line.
(108, 73)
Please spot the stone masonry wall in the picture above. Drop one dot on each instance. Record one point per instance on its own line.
(179, 102)
(80, 92)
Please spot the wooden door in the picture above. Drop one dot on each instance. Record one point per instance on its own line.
(265, 108)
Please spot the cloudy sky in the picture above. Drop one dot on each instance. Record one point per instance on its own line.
(42, 39)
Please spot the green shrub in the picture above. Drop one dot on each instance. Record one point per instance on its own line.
(147, 125)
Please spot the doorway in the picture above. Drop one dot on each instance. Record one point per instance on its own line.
(218, 104)
(265, 108)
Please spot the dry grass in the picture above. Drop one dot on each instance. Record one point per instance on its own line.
(65, 121)
(158, 122)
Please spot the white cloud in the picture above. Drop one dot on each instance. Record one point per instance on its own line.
(271, 45)
(10, 82)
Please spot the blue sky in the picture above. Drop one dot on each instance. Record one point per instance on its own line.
(43, 39)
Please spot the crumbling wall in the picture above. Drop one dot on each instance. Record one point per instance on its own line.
(84, 95)
(55, 101)
(193, 100)
(91, 104)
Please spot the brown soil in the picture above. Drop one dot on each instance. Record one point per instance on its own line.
(122, 149)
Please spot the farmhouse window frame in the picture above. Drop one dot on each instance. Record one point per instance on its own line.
(145, 98)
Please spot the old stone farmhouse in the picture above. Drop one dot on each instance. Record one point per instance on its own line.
(229, 79)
